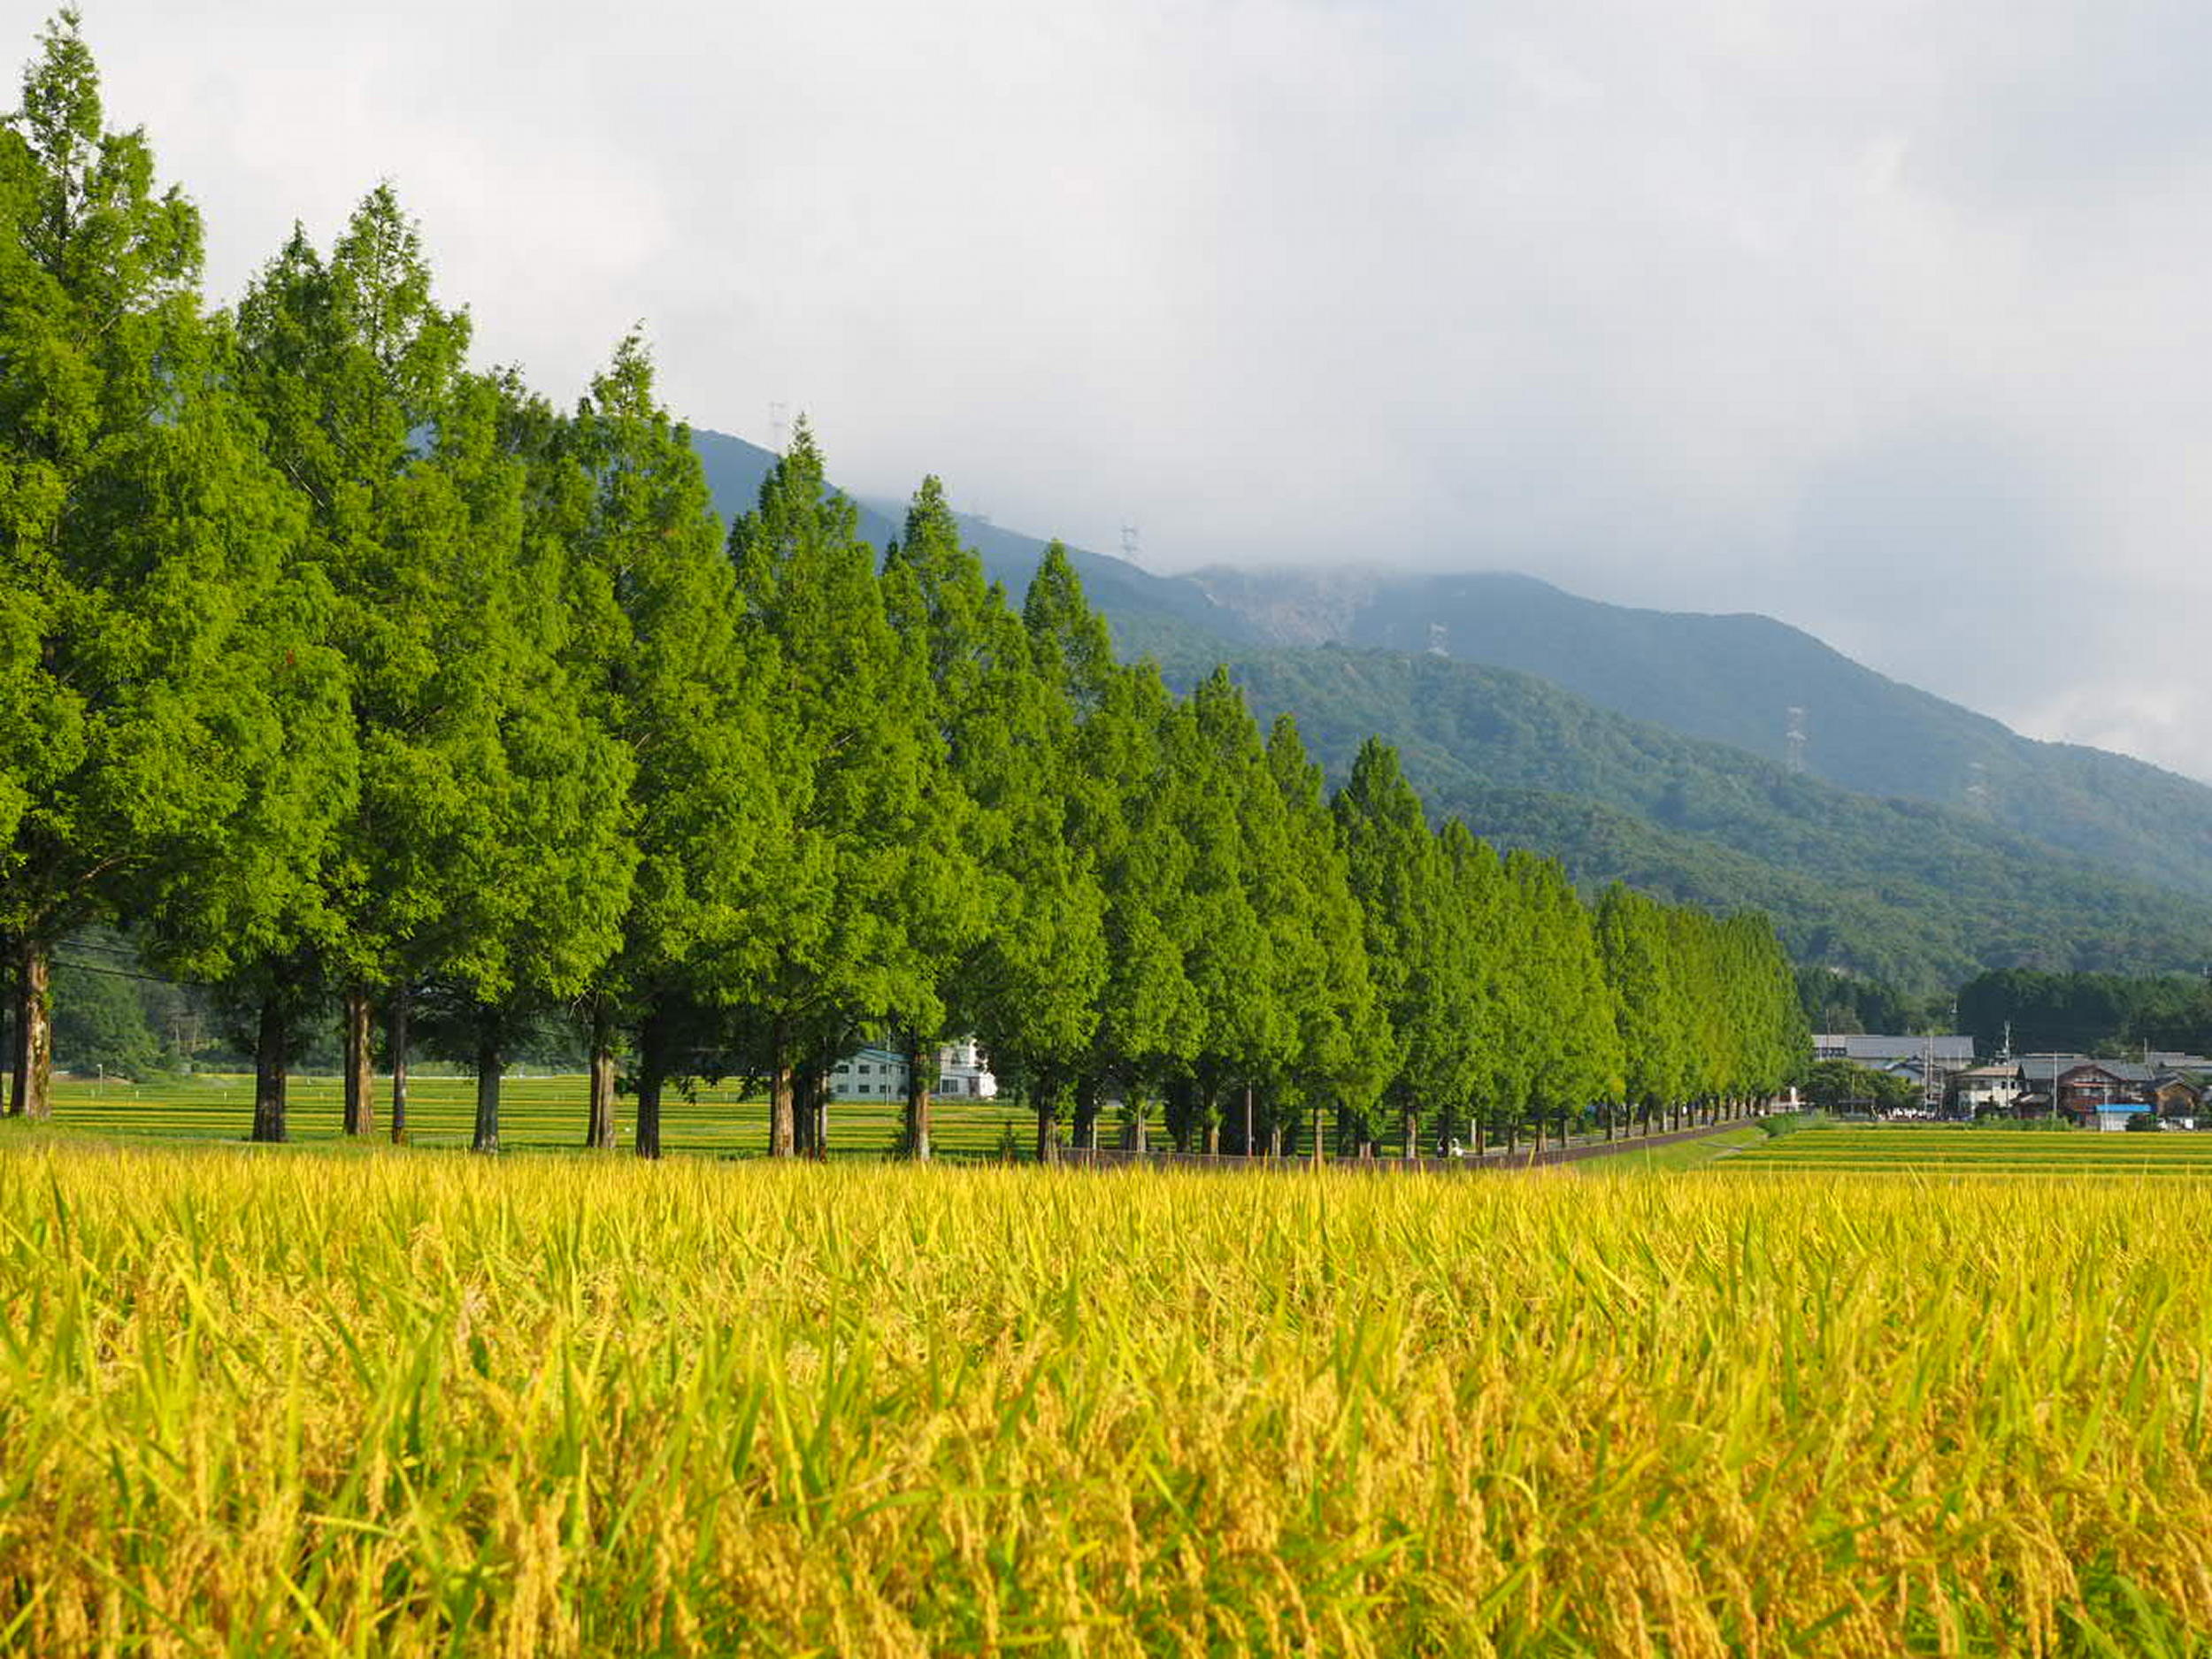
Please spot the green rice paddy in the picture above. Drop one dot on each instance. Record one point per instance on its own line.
(537, 1114)
(1933, 1150)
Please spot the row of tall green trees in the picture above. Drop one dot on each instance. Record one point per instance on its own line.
(350, 677)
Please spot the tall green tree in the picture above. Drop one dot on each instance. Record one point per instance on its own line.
(543, 907)
(154, 648)
(860, 757)
(1016, 913)
(1320, 952)
(940, 607)
(1650, 1007)
(659, 654)
(1236, 825)
(1399, 876)
(1486, 1072)
(1086, 803)
(1152, 1017)
(1577, 1053)
(486, 856)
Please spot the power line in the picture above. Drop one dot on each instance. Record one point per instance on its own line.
(127, 973)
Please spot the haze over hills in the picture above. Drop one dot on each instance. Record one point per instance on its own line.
(1922, 843)
(1161, 614)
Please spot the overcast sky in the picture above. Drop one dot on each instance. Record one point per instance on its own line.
(1890, 319)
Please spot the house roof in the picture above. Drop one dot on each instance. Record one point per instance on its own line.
(1872, 1047)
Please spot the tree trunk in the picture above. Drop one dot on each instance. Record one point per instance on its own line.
(1213, 1142)
(818, 1095)
(1046, 1151)
(396, 1039)
(652, 1066)
(599, 1124)
(917, 1101)
(781, 1129)
(489, 1064)
(1136, 1107)
(1482, 1131)
(1086, 1134)
(34, 1091)
(360, 1115)
(1409, 1123)
(1250, 1147)
(270, 1065)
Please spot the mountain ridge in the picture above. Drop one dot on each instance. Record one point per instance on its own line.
(1735, 676)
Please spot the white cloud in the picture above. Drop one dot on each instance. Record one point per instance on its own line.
(1882, 319)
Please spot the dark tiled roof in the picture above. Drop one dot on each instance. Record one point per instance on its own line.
(1950, 1050)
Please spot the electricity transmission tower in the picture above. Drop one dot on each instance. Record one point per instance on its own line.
(1978, 798)
(1793, 739)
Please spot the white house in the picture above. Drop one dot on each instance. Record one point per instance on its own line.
(875, 1074)
(1990, 1088)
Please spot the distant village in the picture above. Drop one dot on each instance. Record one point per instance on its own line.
(2158, 1089)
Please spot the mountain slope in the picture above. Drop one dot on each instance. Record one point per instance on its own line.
(1734, 679)
(1900, 888)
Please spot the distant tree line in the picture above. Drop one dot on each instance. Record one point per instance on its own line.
(347, 677)
(2111, 1015)
(1834, 1000)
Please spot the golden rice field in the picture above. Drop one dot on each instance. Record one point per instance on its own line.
(413, 1404)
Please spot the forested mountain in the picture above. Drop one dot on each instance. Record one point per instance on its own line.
(1877, 859)
(1900, 890)
(1734, 679)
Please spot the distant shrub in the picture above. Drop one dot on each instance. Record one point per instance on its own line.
(2145, 1123)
